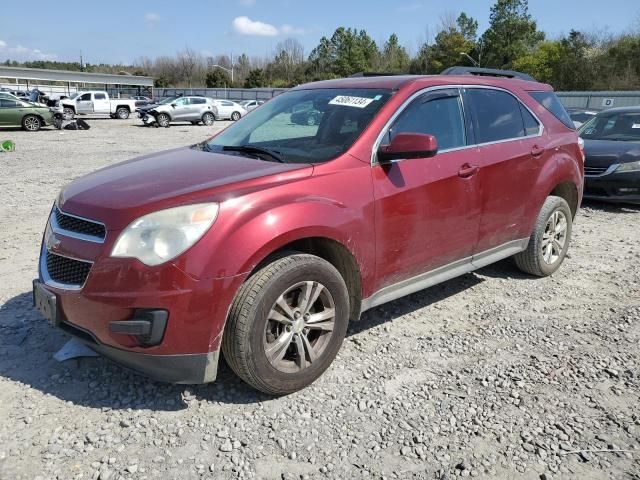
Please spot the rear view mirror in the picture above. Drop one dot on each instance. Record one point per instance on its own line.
(408, 145)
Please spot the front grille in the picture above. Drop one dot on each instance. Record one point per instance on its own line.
(79, 225)
(594, 170)
(67, 270)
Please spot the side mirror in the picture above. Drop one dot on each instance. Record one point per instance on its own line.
(174, 105)
(408, 145)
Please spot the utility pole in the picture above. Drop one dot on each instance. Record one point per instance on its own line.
(81, 62)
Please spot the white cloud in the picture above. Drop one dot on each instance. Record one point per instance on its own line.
(246, 26)
(291, 30)
(151, 19)
(20, 52)
(247, 3)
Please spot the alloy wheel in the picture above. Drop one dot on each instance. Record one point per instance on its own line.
(32, 124)
(554, 237)
(299, 327)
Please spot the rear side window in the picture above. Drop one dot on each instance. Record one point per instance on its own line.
(197, 101)
(497, 115)
(100, 96)
(550, 101)
(531, 125)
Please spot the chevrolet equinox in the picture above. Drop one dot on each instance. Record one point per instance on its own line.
(263, 242)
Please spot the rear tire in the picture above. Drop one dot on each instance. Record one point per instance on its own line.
(31, 123)
(208, 119)
(549, 241)
(270, 323)
(163, 120)
(235, 116)
(68, 113)
(122, 113)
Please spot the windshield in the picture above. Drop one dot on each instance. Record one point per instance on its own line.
(623, 126)
(73, 95)
(305, 126)
(166, 100)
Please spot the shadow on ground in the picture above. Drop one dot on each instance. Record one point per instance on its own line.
(28, 343)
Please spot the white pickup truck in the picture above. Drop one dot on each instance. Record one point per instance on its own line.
(96, 102)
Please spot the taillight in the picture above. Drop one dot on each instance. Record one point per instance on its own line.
(581, 145)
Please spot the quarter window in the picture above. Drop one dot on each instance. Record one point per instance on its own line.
(497, 115)
(531, 125)
(436, 113)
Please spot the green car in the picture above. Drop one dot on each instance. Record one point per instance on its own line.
(29, 116)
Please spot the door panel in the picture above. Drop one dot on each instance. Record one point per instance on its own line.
(427, 210)
(510, 160)
(101, 104)
(180, 111)
(85, 104)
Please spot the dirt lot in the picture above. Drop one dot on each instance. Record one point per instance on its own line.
(494, 374)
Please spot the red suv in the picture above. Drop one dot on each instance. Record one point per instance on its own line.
(263, 242)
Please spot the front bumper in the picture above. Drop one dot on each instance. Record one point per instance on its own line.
(613, 187)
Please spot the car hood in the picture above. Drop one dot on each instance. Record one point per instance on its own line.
(603, 153)
(118, 194)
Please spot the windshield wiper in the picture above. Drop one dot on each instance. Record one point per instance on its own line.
(255, 149)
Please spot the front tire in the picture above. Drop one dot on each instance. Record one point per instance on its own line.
(31, 123)
(549, 241)
(163, 120)
(68, 113)
(287, 324)
(235, 116)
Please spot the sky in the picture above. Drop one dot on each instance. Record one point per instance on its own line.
(123, 31)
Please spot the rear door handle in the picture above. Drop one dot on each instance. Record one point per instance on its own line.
(467, 170)
(537, 150)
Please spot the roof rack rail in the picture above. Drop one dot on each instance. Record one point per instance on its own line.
(490, 72)
(375, 74)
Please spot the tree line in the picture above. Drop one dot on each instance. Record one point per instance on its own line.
(575, 61)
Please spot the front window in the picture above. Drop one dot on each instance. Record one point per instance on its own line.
(624, 127)
(305, 126)
(167, 100)
(73, 95)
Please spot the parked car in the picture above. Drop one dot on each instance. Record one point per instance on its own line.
(184, 109)
(142, 109)
(228, 110)
(612, 149)
(306, 114)
(249, 105)
(18, 113)
(24, 96)
(96, 102)
(579, 116)
(263, 242)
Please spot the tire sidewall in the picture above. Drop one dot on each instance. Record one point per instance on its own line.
(160, 121)
(557, 203)
(120, 115)
(319, 271)
(208, 115)
(24, 122)
(235, 116)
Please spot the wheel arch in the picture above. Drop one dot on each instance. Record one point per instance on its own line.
(569, 192)
(334, 252)
(118, 107)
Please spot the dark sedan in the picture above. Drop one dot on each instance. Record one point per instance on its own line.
(612, 149)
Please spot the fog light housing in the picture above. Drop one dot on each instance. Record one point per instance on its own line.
(146, 325)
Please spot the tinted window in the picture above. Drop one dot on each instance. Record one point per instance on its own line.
(435, 113)
(197, 101)
(9, 103)
(100, 96)
(618, 126)
(86, 96)
(497, 115)
(550, 101)
(227, 104)
(531, 125)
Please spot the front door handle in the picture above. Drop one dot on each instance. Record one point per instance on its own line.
(537, 150)
(467, 170)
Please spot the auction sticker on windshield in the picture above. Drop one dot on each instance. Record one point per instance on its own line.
(347, 101)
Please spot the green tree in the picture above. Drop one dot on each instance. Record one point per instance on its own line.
(255, 79)
(217, 78)
(454, 39)
(543, 63)
(511, 34)
(347, 52)
(394, 56)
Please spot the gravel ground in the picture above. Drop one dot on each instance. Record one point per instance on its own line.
(492, 375)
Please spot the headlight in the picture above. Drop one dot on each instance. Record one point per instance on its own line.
(629, 167)
(161, 236)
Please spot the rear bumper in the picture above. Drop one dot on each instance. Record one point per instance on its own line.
(614, 187)
(181, 368)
